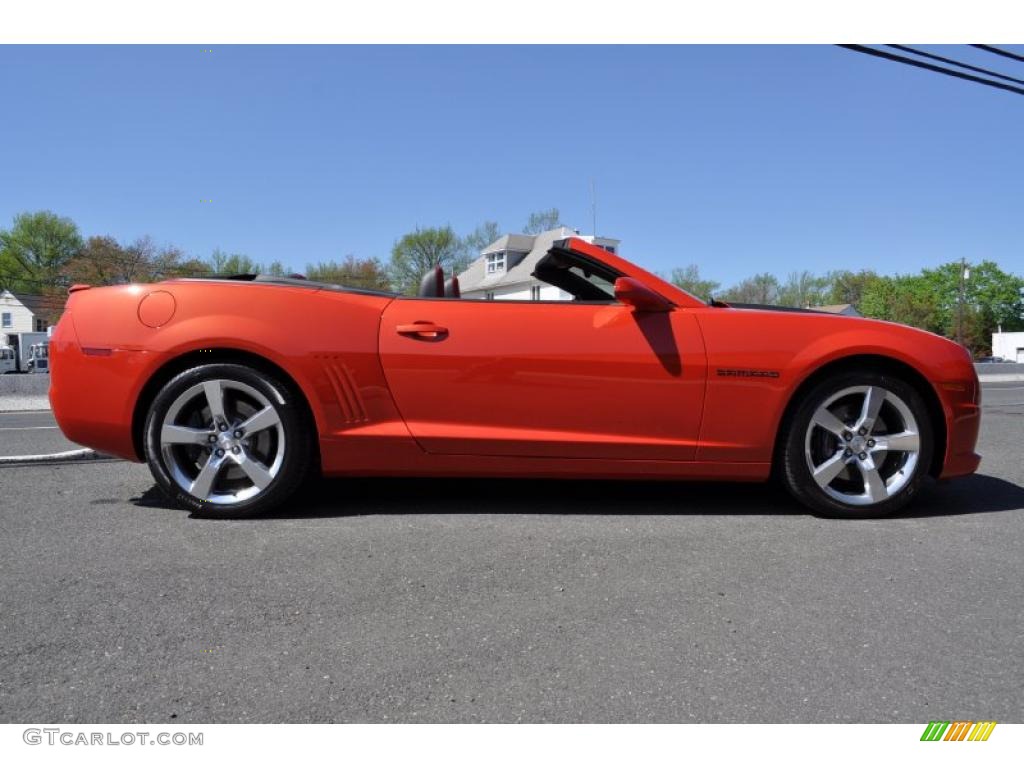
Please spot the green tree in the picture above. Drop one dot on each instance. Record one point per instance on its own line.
(907, 299)
(419, 251)
(474, 243)
(931, 300)
(990, 298)
(541, 221)
(977, 331)
(759, 289)
(35, 251)
(189, 267)
(99, 262)
(847, 287)
(803, 289)
(160, 262)
(353, 272)
(988, 291)
(221, 263)
(688, 278)
(104, 261)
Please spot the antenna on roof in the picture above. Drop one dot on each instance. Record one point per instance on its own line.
(593, 206)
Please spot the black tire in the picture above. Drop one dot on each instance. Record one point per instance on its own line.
(798, 446)
(292, 435)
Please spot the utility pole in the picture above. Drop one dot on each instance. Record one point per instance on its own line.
(593, 206)
(964, 274)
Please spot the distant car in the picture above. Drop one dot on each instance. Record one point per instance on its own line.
(235, 390)
(990, 359)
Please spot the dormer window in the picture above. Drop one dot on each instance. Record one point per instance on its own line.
(495, 262)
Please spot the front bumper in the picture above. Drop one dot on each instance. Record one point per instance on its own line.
(962, 406)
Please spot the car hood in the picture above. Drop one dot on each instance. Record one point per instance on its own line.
(849, 330)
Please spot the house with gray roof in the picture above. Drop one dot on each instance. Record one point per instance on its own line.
(25, 313)
(504, 268)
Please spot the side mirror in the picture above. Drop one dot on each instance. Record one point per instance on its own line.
(635, 294)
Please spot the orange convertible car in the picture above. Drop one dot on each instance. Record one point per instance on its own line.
(235, 389)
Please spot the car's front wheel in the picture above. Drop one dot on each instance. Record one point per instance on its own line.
(225, 440)
(858, 445)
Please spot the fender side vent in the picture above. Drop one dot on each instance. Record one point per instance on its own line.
(345, 392)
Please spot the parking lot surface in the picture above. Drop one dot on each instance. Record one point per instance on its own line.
(31, 433)
(477, 600)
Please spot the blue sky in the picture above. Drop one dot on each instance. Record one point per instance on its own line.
(737, 158)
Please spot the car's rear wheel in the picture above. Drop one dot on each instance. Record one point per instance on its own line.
(227, 441)
(858, 445)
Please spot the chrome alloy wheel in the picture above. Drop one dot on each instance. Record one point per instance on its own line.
(222, 441)
(862, 445)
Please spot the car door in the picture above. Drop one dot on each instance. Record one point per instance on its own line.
(533, 378)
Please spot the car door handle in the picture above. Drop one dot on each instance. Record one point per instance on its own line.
(423, 329)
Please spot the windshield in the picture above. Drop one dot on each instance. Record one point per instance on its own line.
(580, 276)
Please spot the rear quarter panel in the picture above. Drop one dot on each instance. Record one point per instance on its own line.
(325, 340)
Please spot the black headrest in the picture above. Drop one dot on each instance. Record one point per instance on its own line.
(432, 284)
(451, 287)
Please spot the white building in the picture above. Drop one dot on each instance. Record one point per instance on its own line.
(21, 313)
(1009, 346)
(504, 268)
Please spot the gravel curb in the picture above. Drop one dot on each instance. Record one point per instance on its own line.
(64, 457)
(15, 403)
(22, 384)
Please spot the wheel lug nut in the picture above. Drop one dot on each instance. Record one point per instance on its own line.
(862, 455)
(847, 453)
(862, 431)
(871, 443)
(239, 433)
(212, 438)
(220, 452)
(236, 449)
(847, 435)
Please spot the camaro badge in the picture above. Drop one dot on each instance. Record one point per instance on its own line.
(748, 373)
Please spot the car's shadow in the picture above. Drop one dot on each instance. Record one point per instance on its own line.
(348, 497)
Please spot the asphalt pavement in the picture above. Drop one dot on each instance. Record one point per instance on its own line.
(31, 433)
(485, 600)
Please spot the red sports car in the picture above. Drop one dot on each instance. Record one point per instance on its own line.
(235, 389)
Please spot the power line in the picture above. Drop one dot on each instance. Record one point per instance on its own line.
(9, 279)
(13, 279)
(932, 67)
(998, 51)
(955, 63)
